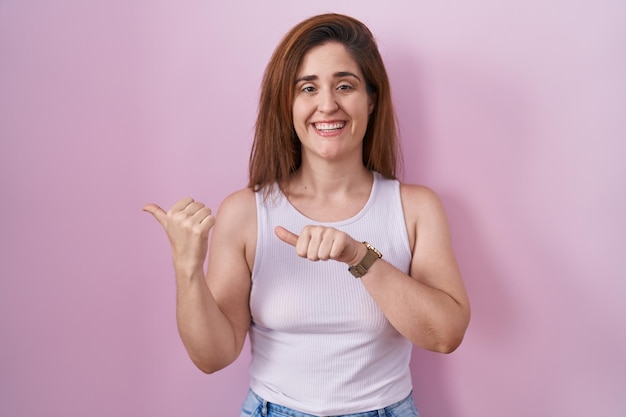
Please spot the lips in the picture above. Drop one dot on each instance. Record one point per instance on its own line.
(329, 127)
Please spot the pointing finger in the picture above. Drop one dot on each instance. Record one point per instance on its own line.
(286, 236)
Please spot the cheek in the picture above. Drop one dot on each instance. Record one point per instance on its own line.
(299, 112)
(364, 111)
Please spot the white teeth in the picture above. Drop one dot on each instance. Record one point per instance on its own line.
(329, 126)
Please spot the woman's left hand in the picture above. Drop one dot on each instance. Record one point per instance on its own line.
(320, 243)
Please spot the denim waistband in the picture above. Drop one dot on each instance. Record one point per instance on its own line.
(255, 406)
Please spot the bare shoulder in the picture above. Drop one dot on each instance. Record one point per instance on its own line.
(239, 202)
(424, 213)
(236, 224)
(420, 202)
(237, 210)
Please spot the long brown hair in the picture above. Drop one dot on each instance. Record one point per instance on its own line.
(276, 151)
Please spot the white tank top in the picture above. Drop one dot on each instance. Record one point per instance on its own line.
(320, 344)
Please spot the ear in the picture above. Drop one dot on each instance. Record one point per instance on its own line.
(370, 104)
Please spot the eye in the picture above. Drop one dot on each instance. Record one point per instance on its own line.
(308, 89)
(344, 87)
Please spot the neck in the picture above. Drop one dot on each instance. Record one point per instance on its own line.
(333, 179)
(329, 195)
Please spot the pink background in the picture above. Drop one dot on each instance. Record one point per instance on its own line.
(513, 111)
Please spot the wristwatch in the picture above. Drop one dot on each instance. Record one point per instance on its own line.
(368, 260)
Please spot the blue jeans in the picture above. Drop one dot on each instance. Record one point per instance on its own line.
(255, 406)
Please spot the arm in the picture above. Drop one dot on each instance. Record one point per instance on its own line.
(212, 311)
(428, 306)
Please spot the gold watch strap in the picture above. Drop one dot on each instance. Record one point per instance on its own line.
(368, 260)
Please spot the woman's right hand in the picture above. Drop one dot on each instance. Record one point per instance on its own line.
(187, 225)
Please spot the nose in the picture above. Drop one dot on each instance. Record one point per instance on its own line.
(327, 101)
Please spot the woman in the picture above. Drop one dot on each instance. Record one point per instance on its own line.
(286, 250)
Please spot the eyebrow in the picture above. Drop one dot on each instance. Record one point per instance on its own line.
(338, 74)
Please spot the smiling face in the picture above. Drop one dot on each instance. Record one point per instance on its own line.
(331, 104)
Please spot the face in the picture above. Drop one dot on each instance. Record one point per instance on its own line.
(331, 104)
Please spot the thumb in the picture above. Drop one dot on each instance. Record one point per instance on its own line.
(159, 214)
(286, 236)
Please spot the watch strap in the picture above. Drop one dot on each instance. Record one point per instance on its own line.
(368, 260)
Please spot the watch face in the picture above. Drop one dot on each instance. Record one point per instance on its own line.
(370, 247)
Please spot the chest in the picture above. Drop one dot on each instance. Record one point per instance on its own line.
(301, 296)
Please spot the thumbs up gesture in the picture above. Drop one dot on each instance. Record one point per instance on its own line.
(187, 226)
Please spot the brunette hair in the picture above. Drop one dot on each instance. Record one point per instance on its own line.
(276, 150)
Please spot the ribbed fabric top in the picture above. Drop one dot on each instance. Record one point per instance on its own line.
(320, 344)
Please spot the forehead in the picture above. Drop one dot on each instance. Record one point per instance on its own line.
(329, 57)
